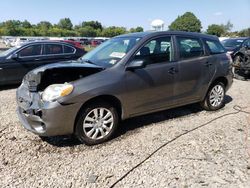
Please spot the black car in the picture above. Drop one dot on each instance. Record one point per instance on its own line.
(124, 77)
(17, 61)
(239, 49)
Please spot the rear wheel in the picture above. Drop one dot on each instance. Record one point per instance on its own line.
(215, 97)
(96, 123)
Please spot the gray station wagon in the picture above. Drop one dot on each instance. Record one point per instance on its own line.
(126, 76)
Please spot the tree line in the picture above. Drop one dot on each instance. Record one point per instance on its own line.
(186, 22)
(63, 28)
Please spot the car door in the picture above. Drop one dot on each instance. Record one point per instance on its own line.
(193, 70)
(151, 88)
(53, 53)
(24, 60)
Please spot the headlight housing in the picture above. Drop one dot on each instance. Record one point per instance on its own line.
(55, 91)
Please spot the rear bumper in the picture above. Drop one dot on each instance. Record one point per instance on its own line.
(47, 119)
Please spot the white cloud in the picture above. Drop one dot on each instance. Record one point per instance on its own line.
(218, 13)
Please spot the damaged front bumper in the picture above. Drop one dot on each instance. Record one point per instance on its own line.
(45, 118)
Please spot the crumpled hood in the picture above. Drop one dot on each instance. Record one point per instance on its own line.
(56, 73)
(64, 64)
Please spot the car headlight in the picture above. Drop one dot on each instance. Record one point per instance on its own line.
(55, 91)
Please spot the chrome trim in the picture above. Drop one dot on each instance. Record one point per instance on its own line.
(42, 50)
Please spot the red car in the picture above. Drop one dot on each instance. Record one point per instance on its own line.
(76, 44)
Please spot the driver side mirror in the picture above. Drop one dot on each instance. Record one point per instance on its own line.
(136, 64)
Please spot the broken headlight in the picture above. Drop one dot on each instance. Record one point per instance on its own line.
(55, 91)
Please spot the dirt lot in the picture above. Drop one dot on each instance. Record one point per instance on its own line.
(195, 154)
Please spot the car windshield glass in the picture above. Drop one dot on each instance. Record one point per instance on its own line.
(4, 53)
(111, 52)
(232, 42)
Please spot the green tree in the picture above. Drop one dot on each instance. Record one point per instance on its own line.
(94, 24)
(186, 22)
(11, 28)
(26, 24)
(244, 33)
(113, 31)
(137, 29)
(65, 23)
(217, 30)
(87, 31)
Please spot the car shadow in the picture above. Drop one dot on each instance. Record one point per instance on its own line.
(13, 86)
(136, 123)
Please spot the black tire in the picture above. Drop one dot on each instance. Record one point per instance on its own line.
(80, 132)
(206, 103)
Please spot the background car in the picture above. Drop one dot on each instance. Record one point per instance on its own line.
(239, 49)
(17, 61)
(233, 45)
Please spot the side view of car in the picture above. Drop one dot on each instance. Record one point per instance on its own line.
(17, 61)
(124, 77)
(239, 49)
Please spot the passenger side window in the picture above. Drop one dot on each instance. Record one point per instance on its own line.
(156, 51)
(189, 47)
(33, 50)
(215, 47)
(53, 49)
(68, 50)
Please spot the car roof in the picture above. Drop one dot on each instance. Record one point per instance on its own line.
(157, 33)
(47, 41)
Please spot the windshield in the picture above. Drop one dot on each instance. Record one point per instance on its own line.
(111, 52)
(232, 42)
(4, 53)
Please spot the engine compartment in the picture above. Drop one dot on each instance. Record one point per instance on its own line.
(65, 74)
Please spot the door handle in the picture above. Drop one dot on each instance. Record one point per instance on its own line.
(172, 70)
(207, 64)
(1, 68)
(37, 59)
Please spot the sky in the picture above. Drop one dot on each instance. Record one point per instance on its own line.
(128, 13)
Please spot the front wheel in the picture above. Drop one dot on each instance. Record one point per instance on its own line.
(96, 123)
(215, 97)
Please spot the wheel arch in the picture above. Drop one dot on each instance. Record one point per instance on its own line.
(114, 101)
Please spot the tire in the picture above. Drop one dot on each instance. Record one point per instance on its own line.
(215, 98)
(91, 128)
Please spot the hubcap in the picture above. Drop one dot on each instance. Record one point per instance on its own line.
(98, 123)
(216, 96)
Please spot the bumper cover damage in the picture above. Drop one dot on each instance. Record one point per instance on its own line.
(44, 119)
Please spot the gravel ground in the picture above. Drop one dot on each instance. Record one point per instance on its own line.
(213, 155)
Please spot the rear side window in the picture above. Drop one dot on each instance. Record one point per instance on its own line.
(53, 49)
(68, 50)
(189, 47)
(215, 47)
(33, 50)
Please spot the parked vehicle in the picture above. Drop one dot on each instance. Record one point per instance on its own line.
(127, 76)
(239, 49)
(96, 42)
(17, 61)
(76, 44)
(85, 41)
